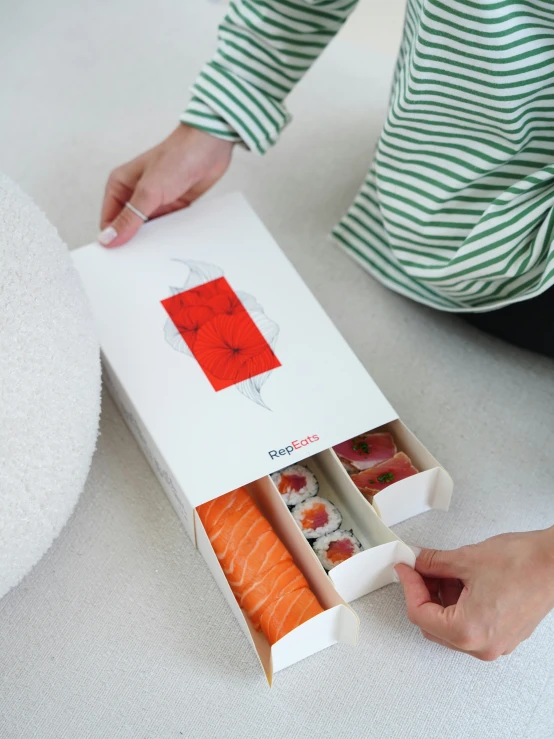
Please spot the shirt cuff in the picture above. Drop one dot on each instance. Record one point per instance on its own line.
(233, 109)
(202, 116)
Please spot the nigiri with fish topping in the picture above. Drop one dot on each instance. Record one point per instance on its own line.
(372, 481)
(365, 451)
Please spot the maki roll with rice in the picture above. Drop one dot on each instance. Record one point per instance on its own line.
(316, 517)
(295, 483)
(336, 547)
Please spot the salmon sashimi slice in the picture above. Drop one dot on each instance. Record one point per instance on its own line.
(241, 528)
(215, 511)
(372, 481)
(252, 559)
(287, 613)
(270, 585)
(365, 451)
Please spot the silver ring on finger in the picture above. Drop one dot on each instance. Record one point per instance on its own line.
(136, 211)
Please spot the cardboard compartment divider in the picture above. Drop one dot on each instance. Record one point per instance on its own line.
(338, 623)
(270, 503)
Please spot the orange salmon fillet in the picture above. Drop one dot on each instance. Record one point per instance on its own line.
(282, 578)
(252, 559)
(242, 528)
(260, 570)
(288, 612)
(214, 511)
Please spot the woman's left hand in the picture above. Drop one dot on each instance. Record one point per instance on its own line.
(482, 599)
(166, 178)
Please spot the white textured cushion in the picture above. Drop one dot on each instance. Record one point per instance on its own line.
(49, 385)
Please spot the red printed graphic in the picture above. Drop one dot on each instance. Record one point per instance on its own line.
(220, 333)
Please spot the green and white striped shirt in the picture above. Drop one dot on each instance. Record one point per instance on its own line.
(457, 208)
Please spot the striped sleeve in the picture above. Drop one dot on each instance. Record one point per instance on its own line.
(265, 46)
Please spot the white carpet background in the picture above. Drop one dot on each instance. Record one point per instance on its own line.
(119, 633)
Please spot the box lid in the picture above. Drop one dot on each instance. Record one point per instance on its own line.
(227, 357)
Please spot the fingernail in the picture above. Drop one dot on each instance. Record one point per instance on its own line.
(106, 236)
(395, 575)
(415, 550)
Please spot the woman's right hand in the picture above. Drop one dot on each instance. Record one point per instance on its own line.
(482, 599)
(166, 178)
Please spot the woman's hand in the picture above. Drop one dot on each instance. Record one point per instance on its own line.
(482, 599)
(166, 178)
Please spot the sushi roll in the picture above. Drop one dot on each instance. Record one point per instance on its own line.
(295, 483)
(316, 517)
(337, 547)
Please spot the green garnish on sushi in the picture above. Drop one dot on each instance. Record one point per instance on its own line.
(362, 447)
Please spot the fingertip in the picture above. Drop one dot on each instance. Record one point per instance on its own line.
(120, 231)
(107, 236)
(112, 237)
(120, 240)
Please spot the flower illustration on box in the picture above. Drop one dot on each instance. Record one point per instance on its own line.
(227, 332)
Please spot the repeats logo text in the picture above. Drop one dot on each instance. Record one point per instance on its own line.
(293, 446)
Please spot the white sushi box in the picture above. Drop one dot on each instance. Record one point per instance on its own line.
(224, 403)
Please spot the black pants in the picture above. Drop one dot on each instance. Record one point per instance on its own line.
(529, 324)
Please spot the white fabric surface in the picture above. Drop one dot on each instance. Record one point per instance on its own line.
(49, 384)
(120, 632)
